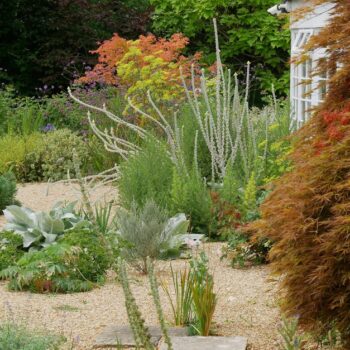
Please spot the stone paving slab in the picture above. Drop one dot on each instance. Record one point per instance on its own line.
(112, 334)
(206, 343)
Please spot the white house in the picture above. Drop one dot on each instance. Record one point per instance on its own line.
(301, 82)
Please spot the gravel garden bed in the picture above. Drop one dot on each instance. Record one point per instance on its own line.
(247, 304)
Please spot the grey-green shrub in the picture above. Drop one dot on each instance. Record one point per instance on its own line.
(7, 190)
(149, 232)
(58, 154)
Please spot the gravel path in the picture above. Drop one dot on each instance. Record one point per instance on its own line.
(247, 303)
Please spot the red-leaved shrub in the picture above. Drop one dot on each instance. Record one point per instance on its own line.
(307, 216)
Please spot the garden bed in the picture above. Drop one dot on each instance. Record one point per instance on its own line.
(247, 303)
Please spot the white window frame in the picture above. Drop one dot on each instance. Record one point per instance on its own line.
(305, 90)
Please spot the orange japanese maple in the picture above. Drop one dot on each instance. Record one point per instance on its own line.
(112, 51)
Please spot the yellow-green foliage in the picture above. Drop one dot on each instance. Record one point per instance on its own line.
(250, 193)
(279, 163)
(15, 151)
(39, 157)
(154, 76)
(277, 160)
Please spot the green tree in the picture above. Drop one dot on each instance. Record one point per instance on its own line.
(247, 33)
(47, 42)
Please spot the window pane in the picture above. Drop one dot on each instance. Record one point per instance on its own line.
(322, 90)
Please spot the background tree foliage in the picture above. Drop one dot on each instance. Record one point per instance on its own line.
(247, 33)
(45, 42)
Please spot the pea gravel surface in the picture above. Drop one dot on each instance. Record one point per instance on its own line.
(247, 298)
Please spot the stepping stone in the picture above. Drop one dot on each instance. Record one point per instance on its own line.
(112, 334)
(206, 343)
(194, 237)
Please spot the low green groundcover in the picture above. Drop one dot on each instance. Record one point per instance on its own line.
(15, 337)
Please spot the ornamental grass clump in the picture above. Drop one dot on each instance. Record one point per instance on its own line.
(203, 296)
(182, 304)
(204, 301)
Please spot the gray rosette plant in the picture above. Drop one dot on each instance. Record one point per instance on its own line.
(41, 229)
